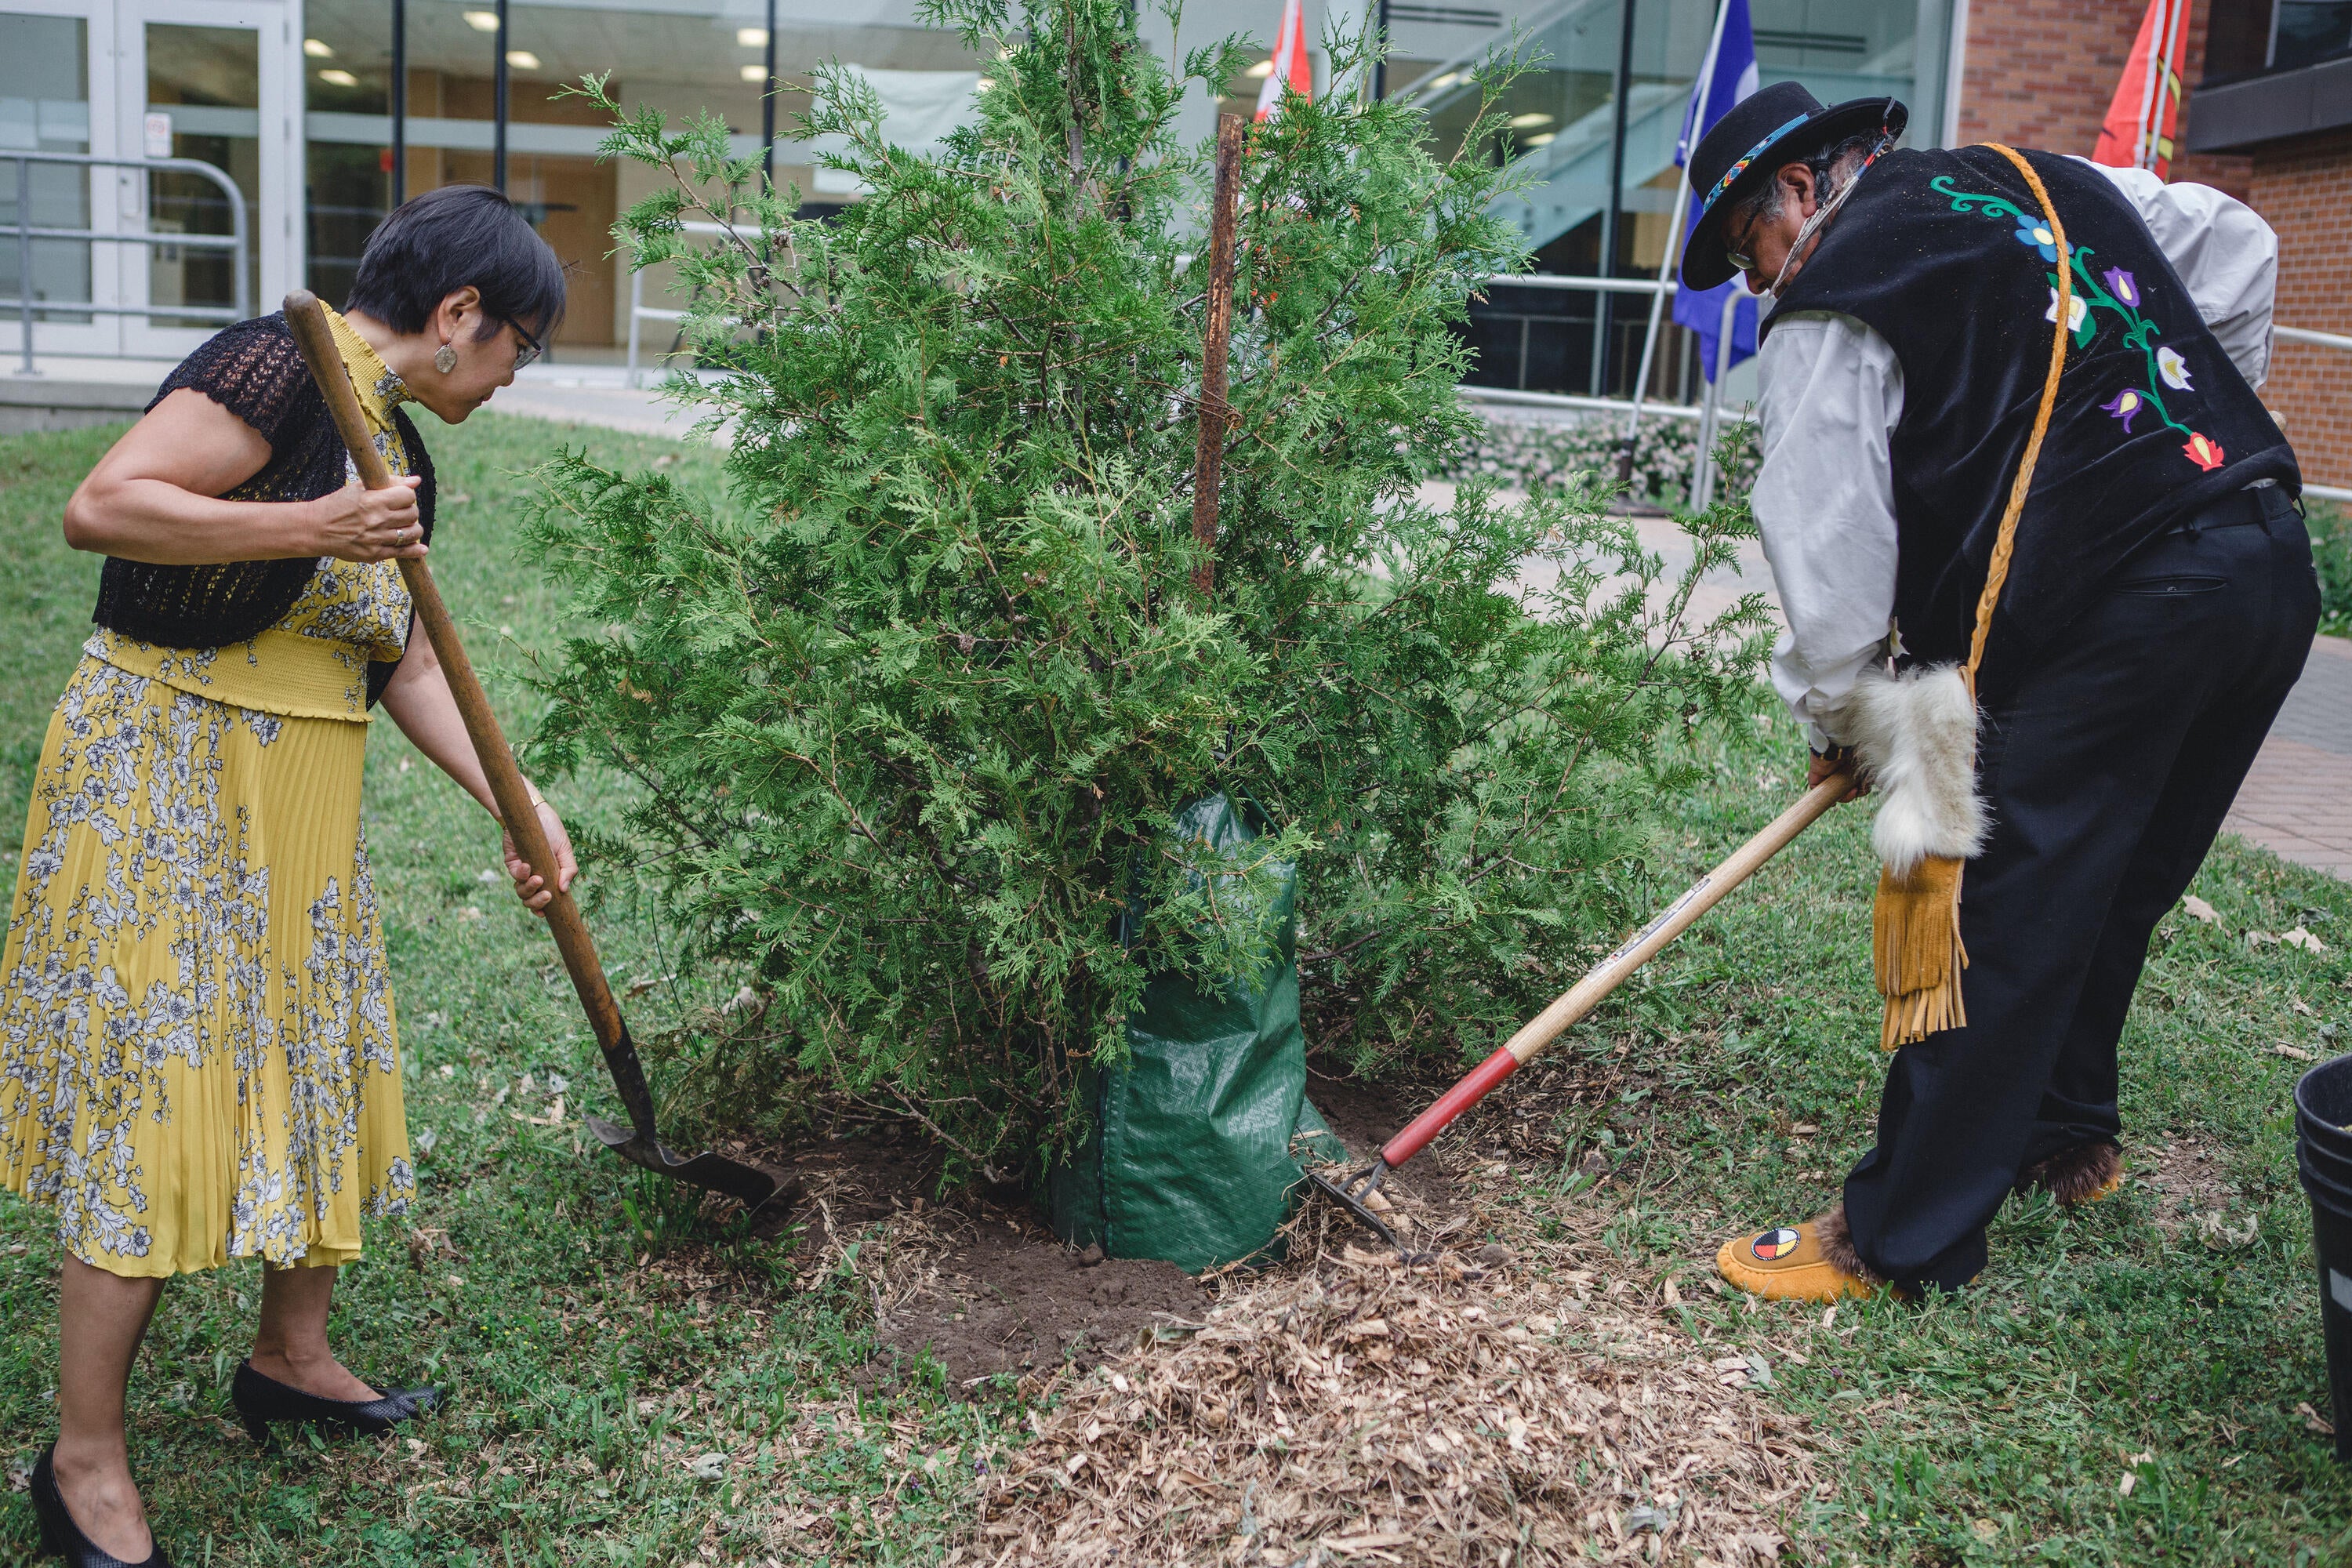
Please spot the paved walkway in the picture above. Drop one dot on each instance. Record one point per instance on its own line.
(602, 399)
(2297, 800)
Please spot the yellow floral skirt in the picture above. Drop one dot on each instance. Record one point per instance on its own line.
(197, 1053)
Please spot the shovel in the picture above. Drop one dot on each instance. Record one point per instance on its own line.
(1351, 1193)
(638, 1143)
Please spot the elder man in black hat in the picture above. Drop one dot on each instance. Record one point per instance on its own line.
(2157, 605)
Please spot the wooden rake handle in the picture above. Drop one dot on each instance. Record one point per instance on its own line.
(507, 786)
(1538, 1033)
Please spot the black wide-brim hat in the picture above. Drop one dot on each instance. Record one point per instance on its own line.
(1770, 127)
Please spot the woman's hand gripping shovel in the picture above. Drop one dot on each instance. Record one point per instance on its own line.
(637, 1143)
(1537, 1034)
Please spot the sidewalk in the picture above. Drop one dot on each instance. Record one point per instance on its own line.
(2297, 802)
(595, 394)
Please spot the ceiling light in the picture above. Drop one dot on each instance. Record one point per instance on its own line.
(1544, 140)
(1526, 122)
(338, 78)
(482, 21)
(1448, 80)
(318, 49)
(755, 73)
(751, 38)
(986, 83)
(522, 60)
(1262, 70)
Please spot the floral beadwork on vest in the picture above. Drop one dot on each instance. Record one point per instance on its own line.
(2114, 291)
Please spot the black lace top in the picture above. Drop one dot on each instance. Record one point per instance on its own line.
(254, 371)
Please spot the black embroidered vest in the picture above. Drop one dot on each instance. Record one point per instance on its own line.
(1946, 257)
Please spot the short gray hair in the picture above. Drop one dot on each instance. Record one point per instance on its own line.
(1832, 168)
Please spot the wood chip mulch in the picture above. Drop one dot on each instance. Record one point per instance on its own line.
(1511, 1406)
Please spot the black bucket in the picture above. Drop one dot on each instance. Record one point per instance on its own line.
(2323, 1103)
(2323, 1107)
(2323, 1134)
(2312, 1155)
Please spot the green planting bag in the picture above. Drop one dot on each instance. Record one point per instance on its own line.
(1190, 1156)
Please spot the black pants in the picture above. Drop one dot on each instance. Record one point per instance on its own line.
(2107, 775)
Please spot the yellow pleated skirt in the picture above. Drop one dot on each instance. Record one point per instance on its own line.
(198, 1059)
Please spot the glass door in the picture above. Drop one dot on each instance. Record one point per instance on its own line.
(52, 101)
(213, 85)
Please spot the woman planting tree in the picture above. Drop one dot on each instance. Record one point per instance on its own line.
(197, 1054)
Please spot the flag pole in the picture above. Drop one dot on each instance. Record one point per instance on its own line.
(1673, 237)
(2164, 84)
(2153, 25)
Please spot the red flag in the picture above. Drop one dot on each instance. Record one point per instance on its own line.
(2140, 123)
(1290, 67)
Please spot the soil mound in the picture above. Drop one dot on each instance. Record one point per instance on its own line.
(984, 1286)
(1013, 1299)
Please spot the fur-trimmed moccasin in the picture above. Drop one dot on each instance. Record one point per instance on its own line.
(2082, 1174)
(1814, 1261)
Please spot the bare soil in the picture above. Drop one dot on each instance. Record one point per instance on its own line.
(982, 1286)
(980, 1282)
(2196, 1191)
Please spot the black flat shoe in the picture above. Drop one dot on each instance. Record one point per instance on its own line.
(261, 1400)
(61, 1536)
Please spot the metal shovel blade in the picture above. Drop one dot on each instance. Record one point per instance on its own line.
(753, 1185)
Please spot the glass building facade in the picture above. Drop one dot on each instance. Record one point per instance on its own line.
(325, 112)
(1598, 122)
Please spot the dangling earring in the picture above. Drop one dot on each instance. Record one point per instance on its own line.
(445, 359)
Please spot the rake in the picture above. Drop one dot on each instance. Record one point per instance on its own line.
(1536, 1035)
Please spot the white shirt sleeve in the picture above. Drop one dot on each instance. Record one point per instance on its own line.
(1824, 500)
(2226, 256)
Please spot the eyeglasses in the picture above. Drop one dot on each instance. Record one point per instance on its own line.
(528, 351)
(1737, 254)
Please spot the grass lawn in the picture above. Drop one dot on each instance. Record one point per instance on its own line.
(584, 1382)
(602, 1343)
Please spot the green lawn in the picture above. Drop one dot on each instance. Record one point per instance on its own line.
(598, 1338)
(583, 1384)
(1998, 1425)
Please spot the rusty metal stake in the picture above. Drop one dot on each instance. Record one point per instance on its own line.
(1215, 418)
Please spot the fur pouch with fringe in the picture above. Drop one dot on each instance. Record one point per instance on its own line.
(1915, 736)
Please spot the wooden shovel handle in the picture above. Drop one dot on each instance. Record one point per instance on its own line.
(507, 786)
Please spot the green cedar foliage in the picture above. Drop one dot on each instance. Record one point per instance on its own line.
(911, 715)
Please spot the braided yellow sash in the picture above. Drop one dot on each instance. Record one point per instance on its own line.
(1916, 944)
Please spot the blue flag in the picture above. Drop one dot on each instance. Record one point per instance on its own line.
(1723, 82)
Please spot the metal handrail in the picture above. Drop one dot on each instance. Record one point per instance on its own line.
(234, 242)
(1704, 411)
(641, 312)
(1710, 428)
(2305, 335)
(2324, 341)
(1581, 283)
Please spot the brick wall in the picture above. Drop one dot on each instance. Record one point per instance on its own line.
(2041, 73)
(2305, 188)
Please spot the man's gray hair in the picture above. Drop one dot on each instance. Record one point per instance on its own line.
(1831, 169)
